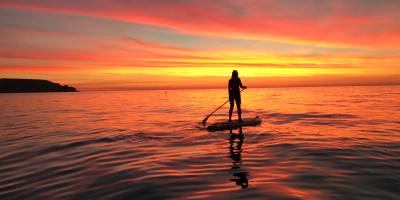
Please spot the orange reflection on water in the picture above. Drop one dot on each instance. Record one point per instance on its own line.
(312, 141)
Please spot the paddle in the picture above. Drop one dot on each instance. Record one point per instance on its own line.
(208, 116)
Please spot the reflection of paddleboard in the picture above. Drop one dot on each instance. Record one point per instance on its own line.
(234, 124)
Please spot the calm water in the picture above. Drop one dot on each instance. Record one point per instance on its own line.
(314, 143)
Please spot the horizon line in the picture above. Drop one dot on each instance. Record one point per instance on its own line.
(257, 87)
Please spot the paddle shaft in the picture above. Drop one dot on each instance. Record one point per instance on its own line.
(208, 116)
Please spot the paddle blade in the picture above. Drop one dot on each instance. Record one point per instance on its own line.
(205, 120)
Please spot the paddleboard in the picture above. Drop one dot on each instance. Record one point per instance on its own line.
(234, 124)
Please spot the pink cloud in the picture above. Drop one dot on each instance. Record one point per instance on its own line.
(360, 23)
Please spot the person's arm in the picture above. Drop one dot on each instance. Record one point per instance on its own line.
(241, 85)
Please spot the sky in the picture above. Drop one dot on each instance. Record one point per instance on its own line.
(165, 44)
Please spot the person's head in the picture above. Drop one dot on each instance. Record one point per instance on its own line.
(235, 74)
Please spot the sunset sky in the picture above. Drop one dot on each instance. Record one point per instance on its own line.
(137, 44)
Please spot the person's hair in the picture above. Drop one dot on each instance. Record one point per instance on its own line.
(235, 74)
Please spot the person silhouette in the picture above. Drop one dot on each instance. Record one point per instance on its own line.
(234, 94)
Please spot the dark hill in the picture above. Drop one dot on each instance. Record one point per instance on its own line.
(32, 85)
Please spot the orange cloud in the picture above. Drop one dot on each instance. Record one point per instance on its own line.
(329, 23)
(98, 42)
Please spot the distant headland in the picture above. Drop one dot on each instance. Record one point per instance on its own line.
(8, 85)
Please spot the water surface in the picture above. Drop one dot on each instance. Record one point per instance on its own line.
(314, 143)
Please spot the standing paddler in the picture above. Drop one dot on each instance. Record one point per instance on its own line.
(234, 94)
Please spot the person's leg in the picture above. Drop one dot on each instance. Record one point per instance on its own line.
(239, 110)
(231, 105)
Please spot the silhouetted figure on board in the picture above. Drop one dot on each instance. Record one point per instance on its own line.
(234, 94)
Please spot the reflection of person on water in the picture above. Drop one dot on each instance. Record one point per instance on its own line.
(235, 153)
(234, 94)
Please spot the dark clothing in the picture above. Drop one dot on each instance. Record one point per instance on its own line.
(234, 95)
(236, 98)
(234, 91)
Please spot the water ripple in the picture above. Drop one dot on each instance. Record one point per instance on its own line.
(343, 146)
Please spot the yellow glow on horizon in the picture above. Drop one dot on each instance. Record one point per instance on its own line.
(226, 71)
(252, 57)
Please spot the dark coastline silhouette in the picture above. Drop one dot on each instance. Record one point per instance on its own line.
(32, 85)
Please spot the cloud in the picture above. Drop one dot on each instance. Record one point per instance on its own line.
(150, 40)
(368, 24)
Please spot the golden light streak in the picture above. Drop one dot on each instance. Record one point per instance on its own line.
(226, 71)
